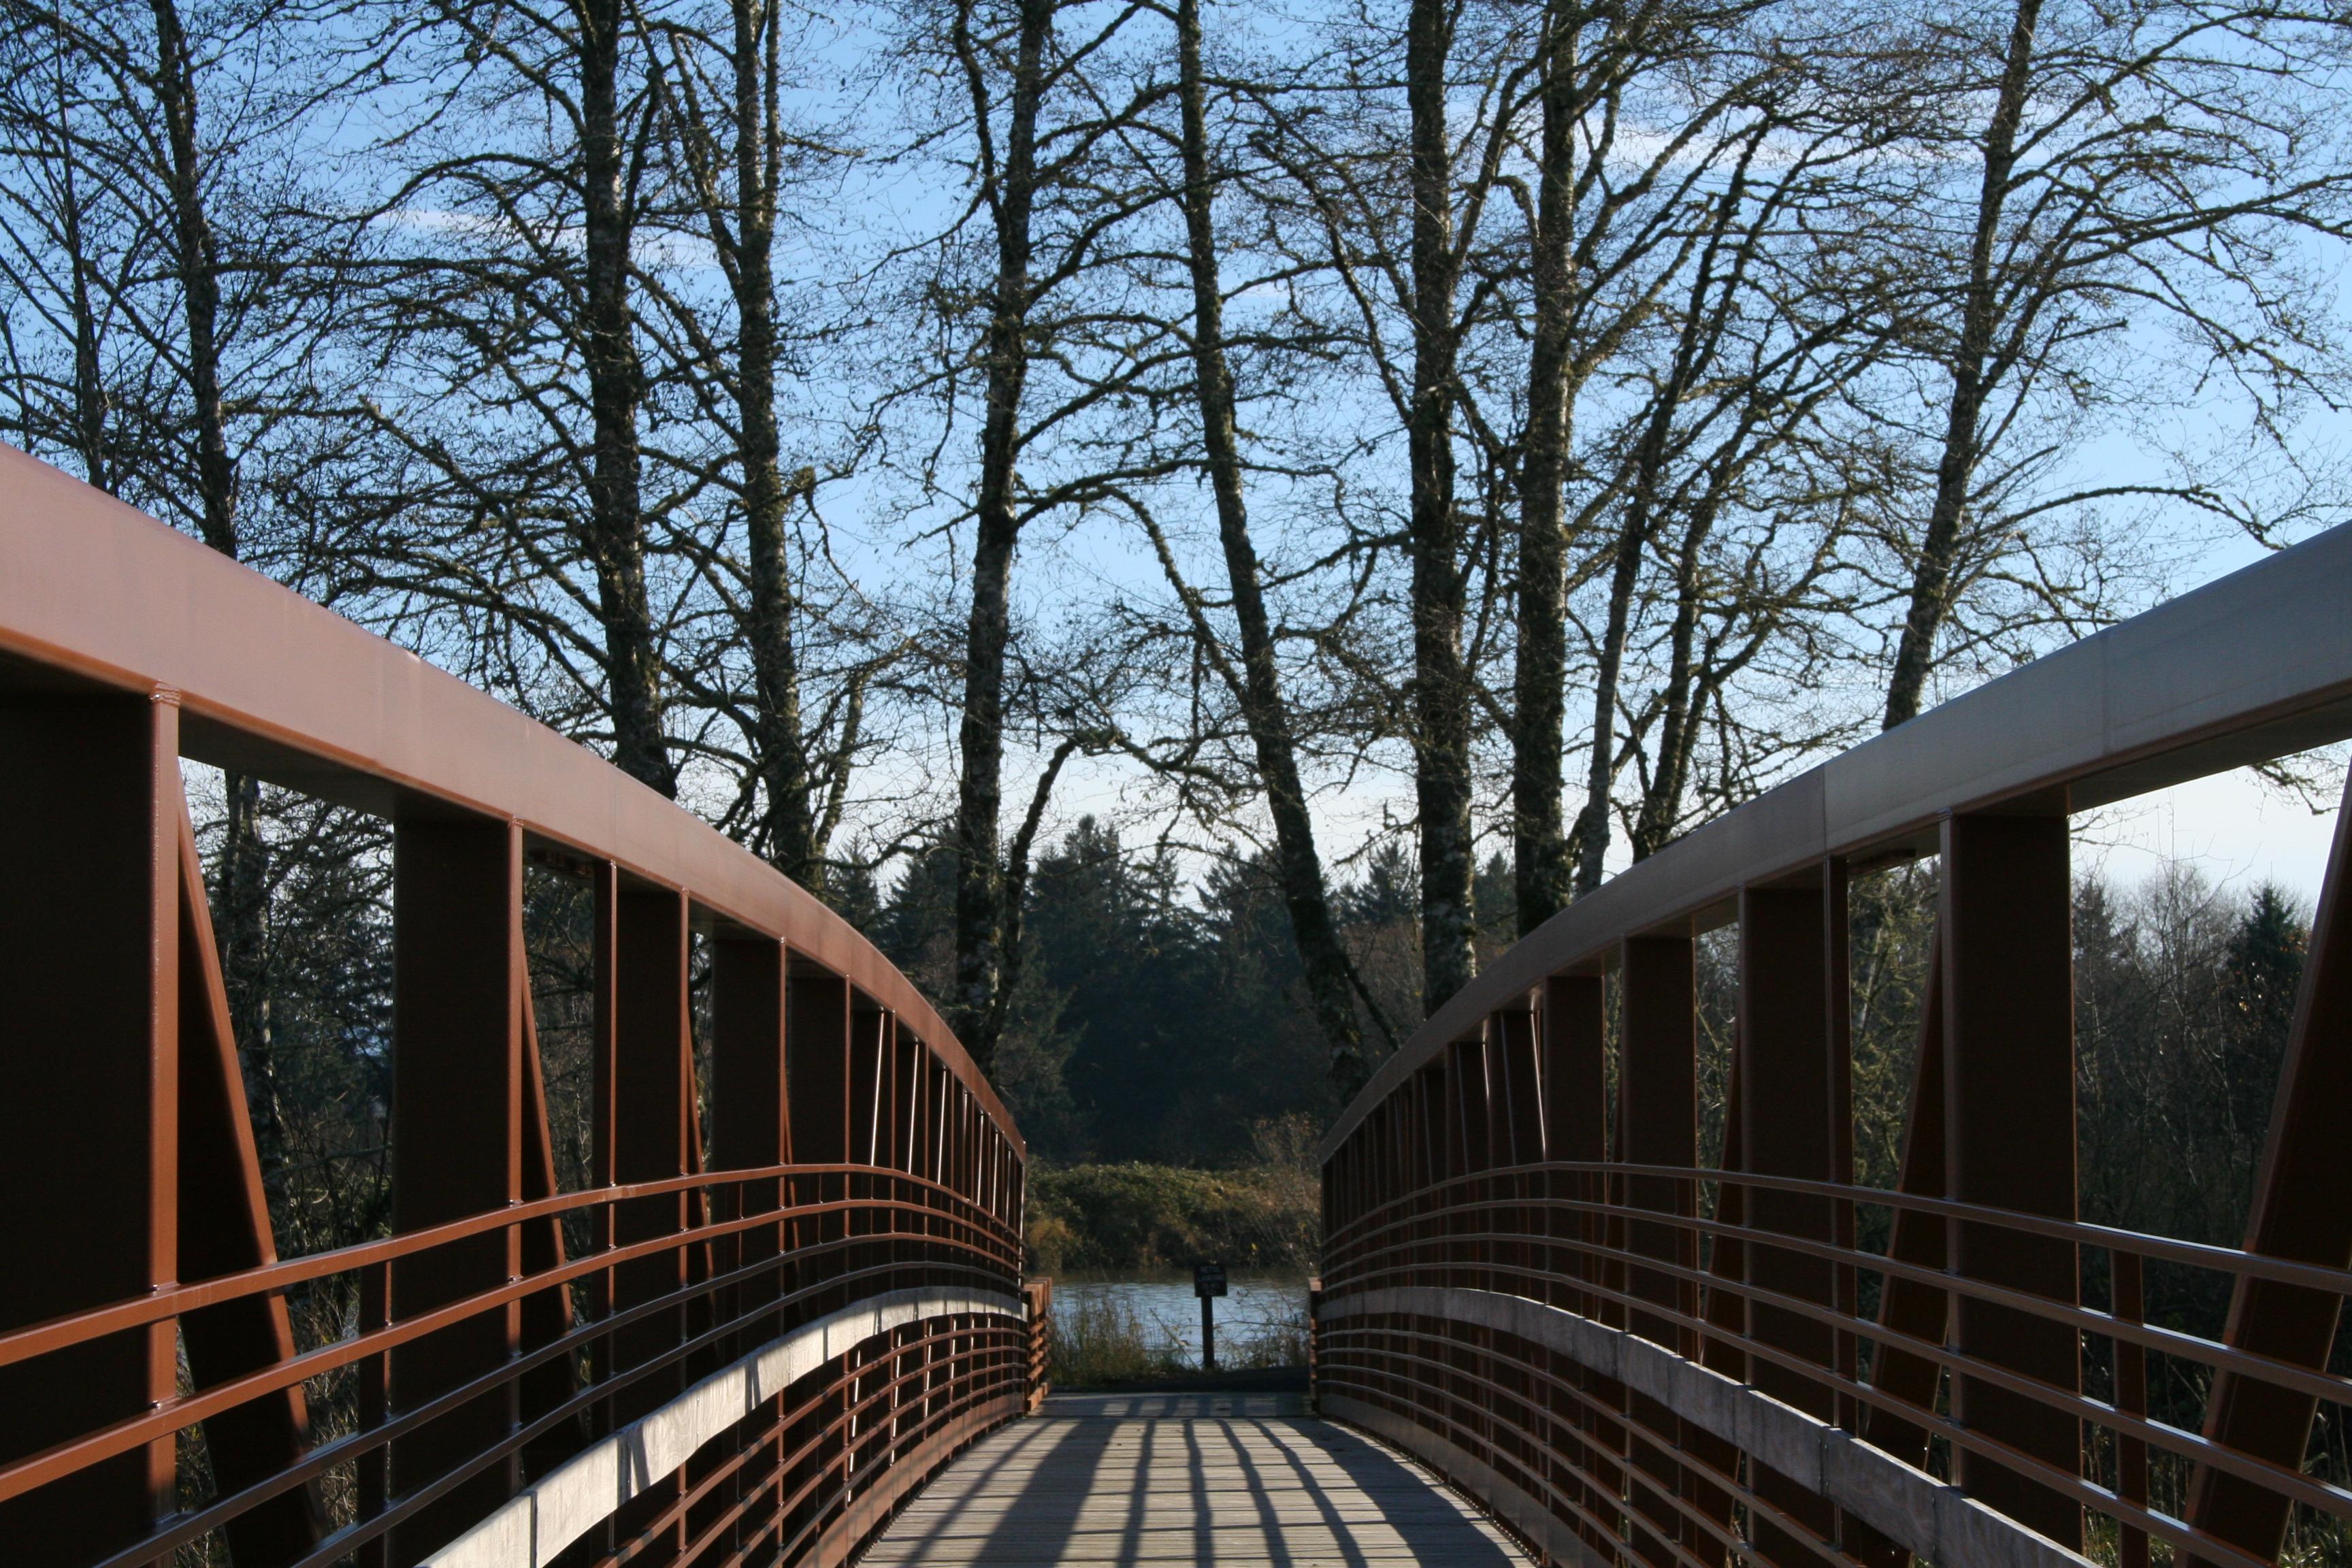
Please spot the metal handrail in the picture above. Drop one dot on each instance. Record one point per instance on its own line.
(991, 1256)
(1346, 1275)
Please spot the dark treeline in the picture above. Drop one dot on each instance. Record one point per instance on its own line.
(1163, 1019)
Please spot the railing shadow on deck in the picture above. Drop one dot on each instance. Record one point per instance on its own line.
(1186, 1477)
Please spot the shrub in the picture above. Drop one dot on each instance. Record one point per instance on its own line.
(1155, 1218)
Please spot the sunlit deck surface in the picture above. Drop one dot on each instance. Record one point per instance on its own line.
(1227, 1478)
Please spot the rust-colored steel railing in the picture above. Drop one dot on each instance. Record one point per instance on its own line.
(1490, 1233)
(748, 1342)
(742, 1284)
(1039, 1294)
(1530, 1279)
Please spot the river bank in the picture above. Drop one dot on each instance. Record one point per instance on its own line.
(1110, 1333)
(1140, 1221)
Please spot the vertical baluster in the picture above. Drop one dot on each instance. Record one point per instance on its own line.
(2131, 1398)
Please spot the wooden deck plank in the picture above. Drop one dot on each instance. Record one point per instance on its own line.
(1103, 1479)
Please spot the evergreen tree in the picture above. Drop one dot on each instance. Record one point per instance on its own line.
(2265, 969)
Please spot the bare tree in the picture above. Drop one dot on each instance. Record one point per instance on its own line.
(1441, 682)
(1008, 183)
(721, 89)
(506, 519)
(1744, 472)
(1257, 688)
(165, 353)
(2156, 169)
(1036, 104)
(1391, 207)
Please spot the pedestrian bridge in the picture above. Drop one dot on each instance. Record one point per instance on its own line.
(801, 1334)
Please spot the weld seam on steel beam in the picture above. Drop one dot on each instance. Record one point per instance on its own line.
(1912, 1508)
(1480, 1481)
(550, 1515)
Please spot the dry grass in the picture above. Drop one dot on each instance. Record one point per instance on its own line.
(1102, 1339)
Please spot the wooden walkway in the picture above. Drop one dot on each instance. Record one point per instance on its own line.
(1199, 1478)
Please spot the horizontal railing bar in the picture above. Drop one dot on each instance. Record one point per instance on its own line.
(1727, 1481)
(368, 1439)
(60, 1334)
(1668, 1441)
(2176, 1532)
(2167, 1249)
(678, 1508)
(2190, 1446)
(2169, 1342)
(171, 1415)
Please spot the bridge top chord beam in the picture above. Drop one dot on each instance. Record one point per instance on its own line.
(2255, 666)
(1643, 1350)
(821, 1300)
(99, 596)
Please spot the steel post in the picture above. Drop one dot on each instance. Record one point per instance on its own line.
(2299, 1213)
(456, 1149)
(1658, 1124)
(1576, 1124)
(1788, 1113)
(2006, 930)
(750, 1123)
(90, 1006)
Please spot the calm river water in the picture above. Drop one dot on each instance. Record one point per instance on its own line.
(1251, 1307)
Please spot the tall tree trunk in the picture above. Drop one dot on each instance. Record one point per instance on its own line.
(243, 870)
(979, 935)
(1593, 830)
(791, 826)
(1931, 580)
(616, 389)
(1263, 710)
(1540, 872)
(1440, 684)
(89, 383)
(1590, 837)
(199, 268)
(1679, 727)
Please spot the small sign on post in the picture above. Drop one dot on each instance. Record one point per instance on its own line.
(1208, 1284)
